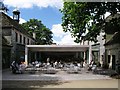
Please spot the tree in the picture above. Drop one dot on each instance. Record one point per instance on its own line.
(85, 20)
(43, 34)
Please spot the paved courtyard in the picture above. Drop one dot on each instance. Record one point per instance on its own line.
(60, 75)
(61, 79)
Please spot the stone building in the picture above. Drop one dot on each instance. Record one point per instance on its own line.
(97, 49)
(6, 49)
(16, 36)
(112, 45)
(113, 50)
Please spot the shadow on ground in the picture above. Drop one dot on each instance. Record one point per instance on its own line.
(30, 84)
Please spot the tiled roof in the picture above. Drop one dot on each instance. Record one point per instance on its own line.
(9, 22)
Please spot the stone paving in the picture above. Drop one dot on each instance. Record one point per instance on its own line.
(60, 75)
(61, 79)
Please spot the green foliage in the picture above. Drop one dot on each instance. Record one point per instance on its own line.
(79, 17)
(43, 34)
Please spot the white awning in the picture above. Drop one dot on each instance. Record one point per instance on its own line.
(58, 48)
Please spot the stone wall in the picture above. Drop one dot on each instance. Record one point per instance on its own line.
(112, 50)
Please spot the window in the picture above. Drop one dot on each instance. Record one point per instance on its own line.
(20, 38)
(113, 62)
(16, 37)
(24, 40)
(27, 41)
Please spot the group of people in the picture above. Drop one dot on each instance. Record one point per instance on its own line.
(18, 67)
(92, 66)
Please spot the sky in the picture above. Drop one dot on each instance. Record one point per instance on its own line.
(45, 10)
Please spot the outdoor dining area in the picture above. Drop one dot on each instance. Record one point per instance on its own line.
(50, 59)
(51, 67)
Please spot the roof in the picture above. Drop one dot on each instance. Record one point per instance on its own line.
(96, 44)
(58, 48)
(112, 25)
(110, 17)
(114, 40)
(16, 10)
(9, 22)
